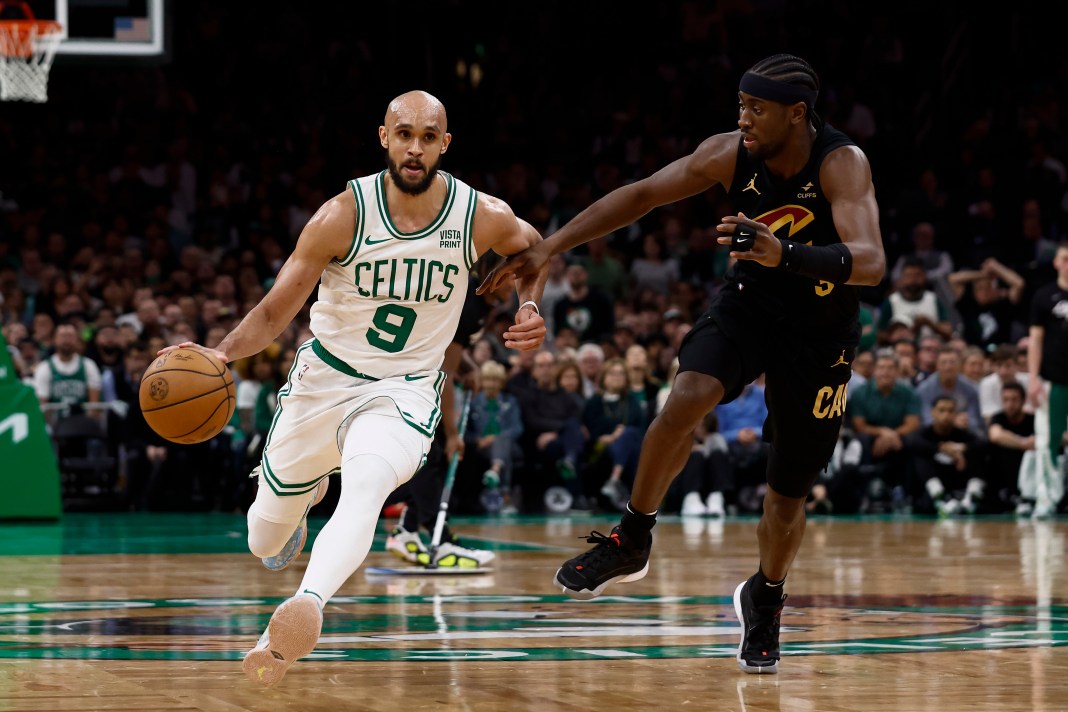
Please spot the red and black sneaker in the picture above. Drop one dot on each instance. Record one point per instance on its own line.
(613, 558)
(758, 651)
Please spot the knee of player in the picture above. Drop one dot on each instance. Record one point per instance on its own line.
(260, 550)
(262, 546)
(686, 407)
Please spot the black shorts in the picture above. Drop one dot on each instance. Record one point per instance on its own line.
(805, 384)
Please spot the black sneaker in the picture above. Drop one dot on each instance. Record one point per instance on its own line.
(613, 559)
(758, 651)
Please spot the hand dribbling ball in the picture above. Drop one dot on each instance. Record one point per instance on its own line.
(187, 396)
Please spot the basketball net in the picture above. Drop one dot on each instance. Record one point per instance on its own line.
(27, 48)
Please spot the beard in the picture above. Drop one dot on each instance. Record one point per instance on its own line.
(406, 186)
(763, 151)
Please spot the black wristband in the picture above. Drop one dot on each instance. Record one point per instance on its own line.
(833, 263)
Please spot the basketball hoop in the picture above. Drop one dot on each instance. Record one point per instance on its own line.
(27, 48)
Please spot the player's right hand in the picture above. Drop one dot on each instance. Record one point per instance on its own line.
(454, 445)
(765, 250)
(521, 264)
(190, 345)
(1035, 392)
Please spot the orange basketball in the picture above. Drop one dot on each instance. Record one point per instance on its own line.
(187, 396)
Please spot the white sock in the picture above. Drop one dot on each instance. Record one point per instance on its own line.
(342, 545)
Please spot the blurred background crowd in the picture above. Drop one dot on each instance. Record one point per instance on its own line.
(153, 204)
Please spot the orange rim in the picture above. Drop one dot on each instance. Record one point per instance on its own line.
(20, 43)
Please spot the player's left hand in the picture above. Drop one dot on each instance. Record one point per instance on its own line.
(528, 332)
(766, 248)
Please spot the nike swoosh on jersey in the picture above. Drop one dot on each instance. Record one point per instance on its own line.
(415, 378)
(368, 241)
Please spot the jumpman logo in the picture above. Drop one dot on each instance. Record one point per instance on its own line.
(751, 185)
(841, 361)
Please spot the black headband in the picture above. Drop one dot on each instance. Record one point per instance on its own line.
(774, 90)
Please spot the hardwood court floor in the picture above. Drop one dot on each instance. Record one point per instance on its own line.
(153, 612)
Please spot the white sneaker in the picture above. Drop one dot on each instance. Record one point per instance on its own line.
(715, 505)
(1043, 510)
(292, 633)
(454, 556)
(692, 506)
(617, 493)
(973, 494)
(407, 545)
(948, 507)
(1023, 509)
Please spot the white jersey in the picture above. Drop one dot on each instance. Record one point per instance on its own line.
(390, 307)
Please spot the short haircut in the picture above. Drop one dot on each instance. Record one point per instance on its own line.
(913, 261)
(589, 348)
(1003, 354)
(1014, 386)
(939, 399)
(907, 342)
(887, 355)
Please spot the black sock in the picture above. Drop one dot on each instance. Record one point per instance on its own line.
(637, 525)
(446, 532)
(765, 592)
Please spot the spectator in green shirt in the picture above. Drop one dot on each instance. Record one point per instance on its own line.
(884, 410)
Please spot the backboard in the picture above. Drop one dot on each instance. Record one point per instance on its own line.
(107, 28)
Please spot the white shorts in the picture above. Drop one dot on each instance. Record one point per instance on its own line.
(318, 406)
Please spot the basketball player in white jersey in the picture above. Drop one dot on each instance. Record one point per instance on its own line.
(363, 397)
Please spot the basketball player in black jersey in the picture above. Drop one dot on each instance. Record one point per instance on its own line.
(806, 236)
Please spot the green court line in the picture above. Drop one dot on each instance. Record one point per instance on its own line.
(168, 533)
(217, 533)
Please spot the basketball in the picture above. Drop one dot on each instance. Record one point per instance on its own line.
(187, 396)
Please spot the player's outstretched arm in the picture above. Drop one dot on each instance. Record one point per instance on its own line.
(327, 235)
(712, 163)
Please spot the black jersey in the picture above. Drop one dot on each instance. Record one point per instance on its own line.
(1049, 309)
(793, 209)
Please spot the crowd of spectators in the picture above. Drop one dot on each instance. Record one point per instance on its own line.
(150, 205)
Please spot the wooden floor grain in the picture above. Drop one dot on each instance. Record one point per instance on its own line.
(883, 614)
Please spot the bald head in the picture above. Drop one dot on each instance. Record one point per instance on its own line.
(414, 136)
(417, 109)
